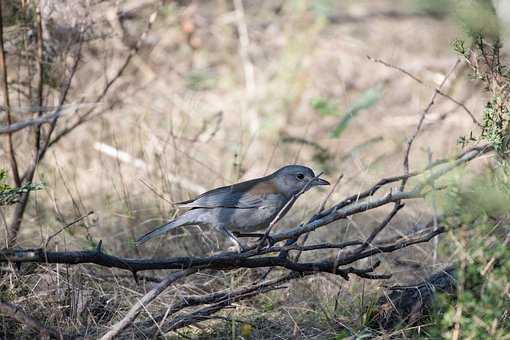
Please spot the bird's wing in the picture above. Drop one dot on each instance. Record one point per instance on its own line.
(245, 195)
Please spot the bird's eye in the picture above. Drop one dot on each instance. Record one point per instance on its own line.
(300, 176)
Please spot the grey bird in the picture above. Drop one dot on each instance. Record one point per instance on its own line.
(243, 207)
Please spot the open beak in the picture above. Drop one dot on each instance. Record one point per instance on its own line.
(320, 181)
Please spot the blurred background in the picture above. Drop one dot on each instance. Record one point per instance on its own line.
(201, 94)
(226, 91)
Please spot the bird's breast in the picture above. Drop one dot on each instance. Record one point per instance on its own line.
(253, 219)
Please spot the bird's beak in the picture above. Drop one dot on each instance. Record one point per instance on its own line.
(320, 181)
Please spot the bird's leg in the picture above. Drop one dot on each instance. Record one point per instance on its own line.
(270, 241)
(234, 239)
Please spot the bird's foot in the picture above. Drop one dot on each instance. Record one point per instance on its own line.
(267, 241)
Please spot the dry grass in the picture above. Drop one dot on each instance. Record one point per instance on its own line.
(188, 108)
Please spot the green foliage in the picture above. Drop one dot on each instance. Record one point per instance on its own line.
(483, 56)
(495, 124)
(481, 306)
(325, 106)
(459, 46)
(3, 176)
(366, 100)
(343, 334)
(10, 195)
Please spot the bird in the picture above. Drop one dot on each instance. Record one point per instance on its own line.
(243, 207)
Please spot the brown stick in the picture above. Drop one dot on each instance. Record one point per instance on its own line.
(40, 78)
(144, 301)
(225, 298)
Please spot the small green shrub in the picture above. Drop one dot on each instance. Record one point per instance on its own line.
(10, 195)
(481, 306)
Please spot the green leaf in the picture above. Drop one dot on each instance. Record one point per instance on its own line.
(3, 176)
(343, 334)
(367, 99)
(10, 195)
(324, 106)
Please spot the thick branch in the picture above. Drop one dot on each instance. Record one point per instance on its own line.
(218, 262)
(224, 261)
(14, 127)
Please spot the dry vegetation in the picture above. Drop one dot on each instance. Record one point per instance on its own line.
(210, 93)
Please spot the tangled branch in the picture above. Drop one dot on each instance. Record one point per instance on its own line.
(274, 254)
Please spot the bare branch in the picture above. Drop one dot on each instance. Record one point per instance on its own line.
(39, 149)
(224, 261)
(225, 298)
(380, 227)
(411, 139)
(256, 257)
(57, 112)
(65, 227)
(419, 81)
(118, 74)
(29, 122)
(343, 209)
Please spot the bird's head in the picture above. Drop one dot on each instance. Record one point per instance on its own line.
(291, 179)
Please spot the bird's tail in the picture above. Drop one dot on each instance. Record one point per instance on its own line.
(185, 219)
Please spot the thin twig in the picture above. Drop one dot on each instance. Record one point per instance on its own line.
(319, 211)
(285, 208)
(411, 139)
(144, 301)
(342, 210)
(118, 74)
(419, 81)
(380, 227)
(40, 77)
(151, 188)
(398, 68)
(65, 227)
(40, 149)
(227, 296)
